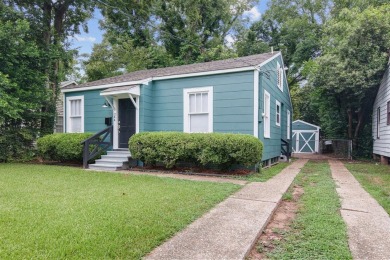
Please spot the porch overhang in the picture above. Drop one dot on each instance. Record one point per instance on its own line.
(133, 90)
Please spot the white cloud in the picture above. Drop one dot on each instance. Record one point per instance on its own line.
(85, 39)
(253, 14)
(229, 40)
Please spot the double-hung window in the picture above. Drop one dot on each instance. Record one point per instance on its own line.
(75, 114)
(388, 112)
(198, 110)
(277, 119)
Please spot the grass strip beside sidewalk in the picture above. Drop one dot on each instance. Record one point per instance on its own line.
(52, 212)
(375, 179)
(318, 232)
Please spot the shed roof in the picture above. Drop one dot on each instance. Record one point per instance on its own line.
(233, 63)
(301, 122)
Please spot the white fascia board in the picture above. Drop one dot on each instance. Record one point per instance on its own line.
(304, 122)
(268, 60)
(205, 73)
(128, 83)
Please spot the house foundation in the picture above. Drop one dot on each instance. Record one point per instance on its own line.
(384, 160)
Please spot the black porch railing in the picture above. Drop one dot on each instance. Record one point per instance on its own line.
(285, 146)
(100, 144)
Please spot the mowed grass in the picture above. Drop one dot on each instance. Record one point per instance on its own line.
(375, 179)
(52, 212)
(318, 231)
(265, 174)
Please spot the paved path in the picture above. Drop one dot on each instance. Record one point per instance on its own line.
(367, 222)
(230, 229)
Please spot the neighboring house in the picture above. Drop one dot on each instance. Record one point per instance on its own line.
(305, 137)
(247, 95)
(59, 124)
(381, 120)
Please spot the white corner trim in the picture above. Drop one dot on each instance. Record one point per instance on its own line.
(256, 103)
(288, 125)
(277, 103)
(68, 99)
(186, 103)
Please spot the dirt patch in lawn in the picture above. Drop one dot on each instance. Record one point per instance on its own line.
(193, 171)
(278, 225)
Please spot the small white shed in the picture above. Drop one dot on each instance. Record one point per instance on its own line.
(305, 137)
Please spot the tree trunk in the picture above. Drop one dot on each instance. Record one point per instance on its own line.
(350, 122)
(355, 141)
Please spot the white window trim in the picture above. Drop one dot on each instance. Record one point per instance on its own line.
(276, 113)
(288, 124)
(280, 72)
(267, 114)
(186, 102)
(68, 99)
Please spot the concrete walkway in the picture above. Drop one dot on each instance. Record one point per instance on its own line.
(367, 222)
(230, 229)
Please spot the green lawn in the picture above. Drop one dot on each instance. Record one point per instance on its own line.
(265, 174)
(375, 179)
(318, 231)
(52, 212)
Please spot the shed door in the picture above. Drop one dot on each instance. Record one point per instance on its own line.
(305, 141)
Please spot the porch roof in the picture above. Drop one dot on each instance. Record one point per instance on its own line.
(132, 89)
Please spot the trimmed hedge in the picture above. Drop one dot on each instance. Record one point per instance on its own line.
(62, 147)
(219, 149)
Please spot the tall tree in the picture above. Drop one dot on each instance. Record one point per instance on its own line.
(355, 50)
(53, 21)
(22, 85)
(153, 34)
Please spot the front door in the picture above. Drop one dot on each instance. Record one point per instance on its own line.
(126, 123)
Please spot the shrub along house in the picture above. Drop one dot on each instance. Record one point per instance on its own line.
(381, 120)
(247, 95)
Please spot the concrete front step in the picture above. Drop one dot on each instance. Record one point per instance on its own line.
(102, 167)
(113, 161)
(119, 153)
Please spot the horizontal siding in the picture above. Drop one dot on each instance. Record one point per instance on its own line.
(272, 145)
(382, 145)
(232, 102)
(94, 113)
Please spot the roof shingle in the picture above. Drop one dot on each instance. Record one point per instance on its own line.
(232, 63)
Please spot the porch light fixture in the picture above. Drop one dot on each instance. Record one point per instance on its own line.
(106, 104)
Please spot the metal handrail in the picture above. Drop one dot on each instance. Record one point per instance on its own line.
(98, 140)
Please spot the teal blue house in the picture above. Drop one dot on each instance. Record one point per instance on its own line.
(247, 95)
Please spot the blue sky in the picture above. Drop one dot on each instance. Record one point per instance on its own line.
(85, 41)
